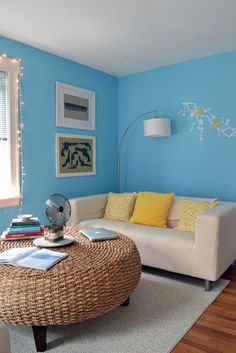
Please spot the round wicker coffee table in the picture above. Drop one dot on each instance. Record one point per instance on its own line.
(95, 278)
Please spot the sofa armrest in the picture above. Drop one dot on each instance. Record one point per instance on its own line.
(215, 242)
(87, 207)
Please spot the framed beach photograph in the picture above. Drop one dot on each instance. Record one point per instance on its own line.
(75, 107)
(75, 155)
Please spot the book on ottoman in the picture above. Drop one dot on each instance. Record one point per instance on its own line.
(31, 257)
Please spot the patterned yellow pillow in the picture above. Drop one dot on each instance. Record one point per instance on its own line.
(119, 206)
(189, 211)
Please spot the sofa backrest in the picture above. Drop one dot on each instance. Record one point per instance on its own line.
(174, 212)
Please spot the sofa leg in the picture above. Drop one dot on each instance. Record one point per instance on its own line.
(207, 285)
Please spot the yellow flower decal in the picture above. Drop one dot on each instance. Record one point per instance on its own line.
(198, 112)
(216, 123)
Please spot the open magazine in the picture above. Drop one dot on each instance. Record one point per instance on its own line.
(32, 257)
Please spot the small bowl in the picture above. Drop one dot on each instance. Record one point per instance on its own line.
(24, 216)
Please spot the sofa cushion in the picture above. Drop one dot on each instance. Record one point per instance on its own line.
(119, 206)
(189, 211)
(166, 248)
(152, 208)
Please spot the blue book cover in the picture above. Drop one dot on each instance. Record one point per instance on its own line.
(17, 222)
(24, 229)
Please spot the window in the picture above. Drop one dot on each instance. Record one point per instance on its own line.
(9, 150)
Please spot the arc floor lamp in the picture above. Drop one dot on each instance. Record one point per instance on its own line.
(154, 127)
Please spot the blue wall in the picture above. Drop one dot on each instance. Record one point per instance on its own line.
(41, 71)
(181, 163)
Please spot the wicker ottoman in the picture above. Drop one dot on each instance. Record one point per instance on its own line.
(95, 278)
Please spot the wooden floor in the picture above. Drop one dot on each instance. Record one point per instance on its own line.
(215, 331)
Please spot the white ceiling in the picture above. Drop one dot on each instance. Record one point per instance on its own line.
(122, 36)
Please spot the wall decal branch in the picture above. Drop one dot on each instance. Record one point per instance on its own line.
(202, 118)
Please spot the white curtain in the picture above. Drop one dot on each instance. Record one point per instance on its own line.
(5, 162)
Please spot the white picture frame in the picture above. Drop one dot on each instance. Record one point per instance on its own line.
(75, 107)
(75, 155)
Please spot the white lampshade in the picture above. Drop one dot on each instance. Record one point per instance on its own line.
(157, 127)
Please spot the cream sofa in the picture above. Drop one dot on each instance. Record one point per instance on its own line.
(205, 254)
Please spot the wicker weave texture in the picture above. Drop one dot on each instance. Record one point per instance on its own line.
(95, 278)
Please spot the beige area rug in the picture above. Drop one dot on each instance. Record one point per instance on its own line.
(162, 309)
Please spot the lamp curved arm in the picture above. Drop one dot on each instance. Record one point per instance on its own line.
(122, 140)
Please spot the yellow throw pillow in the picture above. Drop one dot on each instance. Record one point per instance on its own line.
(189, 211)
(152, 208)
(119, 206)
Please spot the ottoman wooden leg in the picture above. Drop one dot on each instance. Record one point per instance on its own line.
(126, 303)
(40, 333)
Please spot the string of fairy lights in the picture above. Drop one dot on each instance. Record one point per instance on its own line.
(20, 125)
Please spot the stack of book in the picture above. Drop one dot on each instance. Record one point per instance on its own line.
(23, 229)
